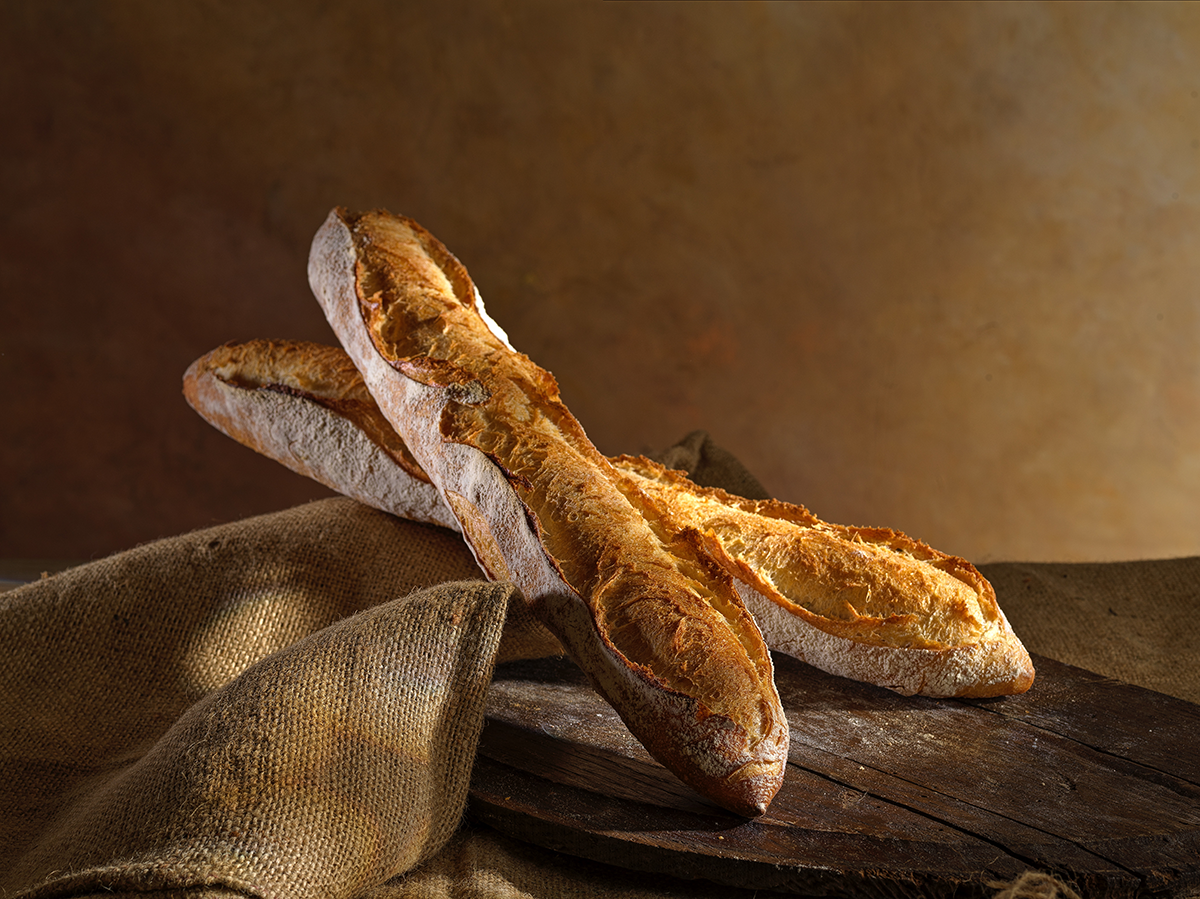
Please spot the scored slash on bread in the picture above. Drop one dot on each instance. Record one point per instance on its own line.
(645, 577)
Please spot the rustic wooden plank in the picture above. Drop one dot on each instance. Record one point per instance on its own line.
(587, 744)
(1150, 728)
(1051, 783)
(721, 848)
(885, 794)
(1032, 848)
(809, 801)
(923, 739)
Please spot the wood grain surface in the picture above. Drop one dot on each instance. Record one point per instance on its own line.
(1094, 780)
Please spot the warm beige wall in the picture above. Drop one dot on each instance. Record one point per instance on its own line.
(923, 265)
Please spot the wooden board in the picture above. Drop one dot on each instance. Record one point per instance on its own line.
(1094, 780)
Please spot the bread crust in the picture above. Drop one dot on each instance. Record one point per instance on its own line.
(661, 632)
(305, 405)
(872, 604)
(867, 603)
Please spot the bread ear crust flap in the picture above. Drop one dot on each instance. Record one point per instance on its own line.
(671, 648)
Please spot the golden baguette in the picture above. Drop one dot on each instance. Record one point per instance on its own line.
(872, 604)
(659, 629)
(867, 603)
(305, 405)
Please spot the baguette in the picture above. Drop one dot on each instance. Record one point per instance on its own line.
(657, 626)
(867, 603)
(306, 406)
(871, 604)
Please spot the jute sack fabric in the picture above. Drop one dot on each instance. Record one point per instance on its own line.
(201, 711)
(289, 706)
(1135, 621)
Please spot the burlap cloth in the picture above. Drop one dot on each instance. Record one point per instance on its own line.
(289, 706)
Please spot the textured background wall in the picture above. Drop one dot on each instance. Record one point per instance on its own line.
(931, 266)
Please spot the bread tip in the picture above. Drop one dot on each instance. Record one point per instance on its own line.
(751, 796)
(753, 804)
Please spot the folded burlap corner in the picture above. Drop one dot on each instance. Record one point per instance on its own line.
(202, 712)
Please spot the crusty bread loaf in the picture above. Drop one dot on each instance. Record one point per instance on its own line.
(658, 627)
(867, 603)
(629, 563)
(305, 405)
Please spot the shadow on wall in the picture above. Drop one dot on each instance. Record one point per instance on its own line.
(919, 265)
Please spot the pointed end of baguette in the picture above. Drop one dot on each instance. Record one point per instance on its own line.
(1001, 668)
(716, 761)
(748, 791)
(706, 750)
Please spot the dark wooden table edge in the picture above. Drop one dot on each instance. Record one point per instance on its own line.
(520, 821)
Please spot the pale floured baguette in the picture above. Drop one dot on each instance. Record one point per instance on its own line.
(867, 603)
(306, 406)
(656, 625)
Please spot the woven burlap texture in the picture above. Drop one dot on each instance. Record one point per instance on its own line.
(266, 707)
(289, 706)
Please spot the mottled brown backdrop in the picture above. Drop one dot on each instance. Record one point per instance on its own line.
(927, 265)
